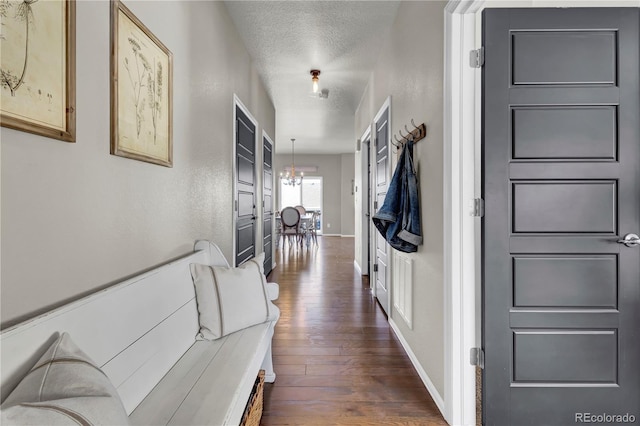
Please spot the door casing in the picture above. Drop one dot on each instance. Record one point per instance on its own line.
(365, 159)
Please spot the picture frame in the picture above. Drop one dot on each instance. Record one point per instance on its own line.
(141, 91)
(38, 67)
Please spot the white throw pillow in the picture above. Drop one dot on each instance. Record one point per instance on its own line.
(230, 299)
(64, 388)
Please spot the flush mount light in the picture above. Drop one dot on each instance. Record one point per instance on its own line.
(314, 79)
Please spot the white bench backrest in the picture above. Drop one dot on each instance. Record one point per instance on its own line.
(135, 330)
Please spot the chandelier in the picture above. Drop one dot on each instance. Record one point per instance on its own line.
(290, 178)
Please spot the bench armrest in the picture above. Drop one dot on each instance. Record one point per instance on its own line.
(273, 291)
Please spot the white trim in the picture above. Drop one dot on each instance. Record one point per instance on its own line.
(431, 388)
(238, 103)
(386, 105)
(355, 265)
(365, 226)
(461, 316)
(347, 236)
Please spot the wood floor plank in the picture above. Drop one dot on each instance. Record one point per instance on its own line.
(348, 394)
(353, 360)
(305, 350)
(336, 358)
(375, 409)
(375, 382)
(351, 421)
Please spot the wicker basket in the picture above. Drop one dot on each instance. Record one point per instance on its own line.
(253, 411)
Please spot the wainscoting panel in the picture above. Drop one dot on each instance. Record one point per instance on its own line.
(403, 287)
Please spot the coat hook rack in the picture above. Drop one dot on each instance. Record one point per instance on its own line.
(418, 133)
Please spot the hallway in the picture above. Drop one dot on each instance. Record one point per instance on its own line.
(336, 358)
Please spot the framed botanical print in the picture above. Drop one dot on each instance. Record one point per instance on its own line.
(37, 67)
(141, 91)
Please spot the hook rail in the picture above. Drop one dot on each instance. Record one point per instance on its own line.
(418, 133)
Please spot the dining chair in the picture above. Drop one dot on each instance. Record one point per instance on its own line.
(290, 218)
(301, 210)
(313, 231)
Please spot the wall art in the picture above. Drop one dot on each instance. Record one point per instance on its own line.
(37, 67)
(141, 91)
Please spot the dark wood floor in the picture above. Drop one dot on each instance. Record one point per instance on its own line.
(336, 358)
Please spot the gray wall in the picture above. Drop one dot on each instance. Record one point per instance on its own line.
(75, 218)
(346, 191)
(410, 71)
(336, 171)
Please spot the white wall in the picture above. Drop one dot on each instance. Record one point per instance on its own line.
(336, 171)
(410, 70)
(74, 217)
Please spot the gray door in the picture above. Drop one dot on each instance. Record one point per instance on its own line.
(267, 203)
(366, 147)
(561, 183)
(382, 249)
(245, 188)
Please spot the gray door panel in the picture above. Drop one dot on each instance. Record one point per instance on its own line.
(561, 183)
(245, 188)
(267, 207)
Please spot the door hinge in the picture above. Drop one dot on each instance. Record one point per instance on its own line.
(477, 357)
(236, 205)
(478, 207)
(375, 205)
(476, 58)
(375, 267)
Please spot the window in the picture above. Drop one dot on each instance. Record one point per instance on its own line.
(309, 194)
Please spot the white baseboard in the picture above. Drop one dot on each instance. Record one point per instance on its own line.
(357, 266)
(435, 395)
(347, 236)
(331, 235)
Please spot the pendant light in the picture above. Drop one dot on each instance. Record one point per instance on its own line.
(290, 178)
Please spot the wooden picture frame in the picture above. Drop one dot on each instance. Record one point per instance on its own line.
(141, 91)
(38, 67)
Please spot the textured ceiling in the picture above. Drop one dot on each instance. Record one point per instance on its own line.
(286, 39)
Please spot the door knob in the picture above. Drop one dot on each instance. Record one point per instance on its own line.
(630, 240)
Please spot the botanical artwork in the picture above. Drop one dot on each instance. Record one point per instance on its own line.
(37, 66)
(141, 91)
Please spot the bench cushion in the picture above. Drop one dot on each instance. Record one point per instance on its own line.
(211, 383)
(64, 387)
(229, 299)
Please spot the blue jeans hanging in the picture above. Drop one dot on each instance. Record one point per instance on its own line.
(398, 219)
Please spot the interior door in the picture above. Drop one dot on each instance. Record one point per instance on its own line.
(366, 147)
(245, 188)
(561, 183)
(381, 184)
(267, 204)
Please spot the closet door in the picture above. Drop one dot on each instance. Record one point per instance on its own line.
(561, 183)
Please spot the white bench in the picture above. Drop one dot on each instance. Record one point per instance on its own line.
(141, 332)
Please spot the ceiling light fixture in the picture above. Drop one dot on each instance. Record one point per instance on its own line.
(290, 178)
(314, 79)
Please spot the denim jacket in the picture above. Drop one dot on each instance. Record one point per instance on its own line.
(398, 220)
